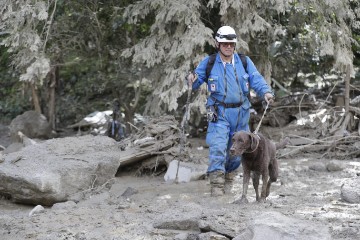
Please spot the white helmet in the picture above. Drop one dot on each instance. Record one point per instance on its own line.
(226, 34)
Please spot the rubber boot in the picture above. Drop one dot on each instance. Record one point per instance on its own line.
(229, 181)
(217, 182)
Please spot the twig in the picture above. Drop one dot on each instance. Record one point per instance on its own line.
(16, 159)
(300, 104)
(280, 86)
(72, 158)
(48, 30)
(93, 183)
(327, 96)
(132, 125)
(354, 87)
(327, 143)
(301, 148)
(355, 110)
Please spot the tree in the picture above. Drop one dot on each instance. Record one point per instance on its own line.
(182, 31)
(81, 38)
(27, 24)
(75, 53)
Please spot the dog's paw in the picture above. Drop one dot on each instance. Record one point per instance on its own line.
(261, 200)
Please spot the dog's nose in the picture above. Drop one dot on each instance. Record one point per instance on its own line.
(232, 151)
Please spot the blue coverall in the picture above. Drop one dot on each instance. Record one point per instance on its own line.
(228, 84)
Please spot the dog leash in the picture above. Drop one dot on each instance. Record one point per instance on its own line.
(258, 126)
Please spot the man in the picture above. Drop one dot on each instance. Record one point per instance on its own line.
(228, 105)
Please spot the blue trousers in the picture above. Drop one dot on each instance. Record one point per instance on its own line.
(218, 138)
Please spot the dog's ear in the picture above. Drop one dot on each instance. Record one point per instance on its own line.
(254, 142)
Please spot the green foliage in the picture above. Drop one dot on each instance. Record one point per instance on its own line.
(141, 51)
(284, 38)
(26, 23)
(12, 99)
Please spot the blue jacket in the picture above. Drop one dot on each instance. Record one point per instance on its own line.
(231, 90)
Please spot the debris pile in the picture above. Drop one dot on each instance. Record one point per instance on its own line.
(333, 123)
(154, 146)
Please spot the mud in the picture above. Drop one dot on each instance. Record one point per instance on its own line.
(303, 192)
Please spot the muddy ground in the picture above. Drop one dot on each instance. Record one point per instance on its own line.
(304, 193)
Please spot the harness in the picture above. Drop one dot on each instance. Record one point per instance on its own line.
(212, 57)
(227, 105)
(210, 65)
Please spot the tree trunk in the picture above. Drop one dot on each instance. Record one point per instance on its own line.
(267, 72)
(35, 98)
(347, 89)
(129, 119)
(52, 96)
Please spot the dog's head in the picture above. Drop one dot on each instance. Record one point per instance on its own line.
(243, 142)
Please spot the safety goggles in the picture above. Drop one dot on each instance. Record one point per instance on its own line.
(226, 44)
(227, 37)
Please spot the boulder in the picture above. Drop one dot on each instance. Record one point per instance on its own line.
(350, 191)
(54, 170)
(32, 124)
(274, 225)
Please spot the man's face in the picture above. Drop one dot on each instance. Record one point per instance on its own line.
(227, 48)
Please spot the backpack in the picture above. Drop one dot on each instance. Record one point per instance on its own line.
(211, 62)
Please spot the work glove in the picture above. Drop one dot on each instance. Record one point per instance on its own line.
(191, 77)
(269, 98)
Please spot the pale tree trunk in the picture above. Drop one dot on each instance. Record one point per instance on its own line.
(264, 67)
(35, 98)
(130, 109)
(266, 70)
(347, 89)
(52, 96)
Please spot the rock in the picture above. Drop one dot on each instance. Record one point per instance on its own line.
(180, 224)
(4, 137)
(350, 191)
(129, 192)
(212, 236)
(334, 166)
(63, 205)
(214, 224)
(36, 210)
(274, 225)
(26, 140)
(14, 147)
(187, 171)
(181, 236)
(32, 124)
(318, 166)
(52, 171)
(23, 141)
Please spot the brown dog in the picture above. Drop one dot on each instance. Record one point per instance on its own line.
(258, 156)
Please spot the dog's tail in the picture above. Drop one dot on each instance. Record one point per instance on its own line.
(282, 143)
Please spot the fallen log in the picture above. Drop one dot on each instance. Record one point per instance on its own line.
(355, 110)
(139, 153)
